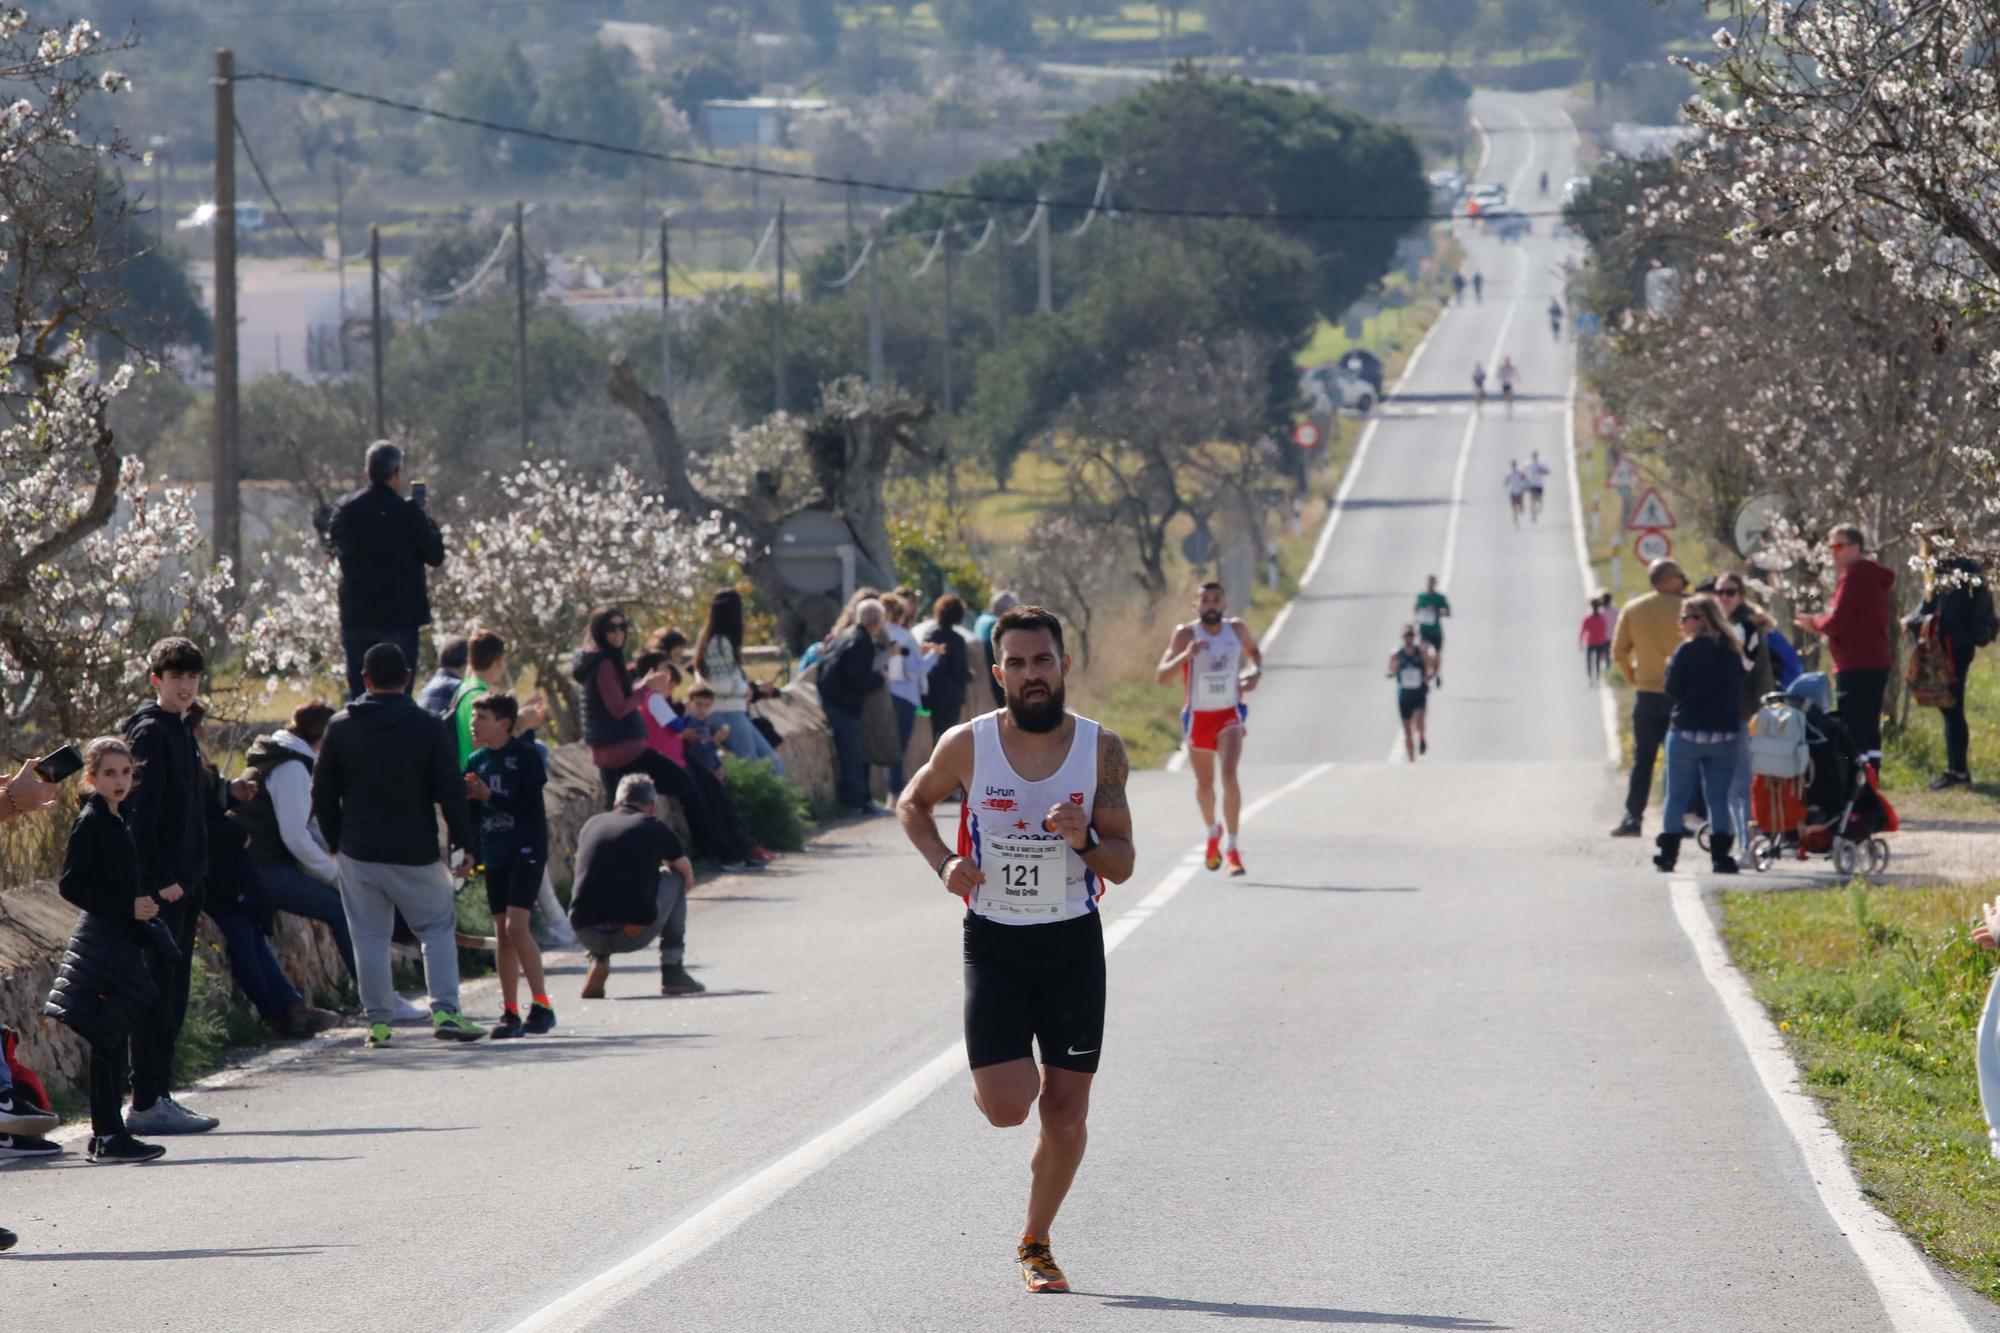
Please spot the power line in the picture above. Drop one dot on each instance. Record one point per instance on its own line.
(317, 252)
(843, 182)
(343, 10)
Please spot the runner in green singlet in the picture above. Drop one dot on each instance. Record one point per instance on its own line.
(1432, 609)
(1413, 667)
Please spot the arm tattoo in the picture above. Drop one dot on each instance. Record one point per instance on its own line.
(1112, 768)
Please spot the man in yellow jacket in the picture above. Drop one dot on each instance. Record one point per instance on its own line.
(1649, 629)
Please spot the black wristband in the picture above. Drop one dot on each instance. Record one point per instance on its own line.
(949, 857)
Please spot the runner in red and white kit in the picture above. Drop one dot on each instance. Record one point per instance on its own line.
(1044, 826)
(1211, 653)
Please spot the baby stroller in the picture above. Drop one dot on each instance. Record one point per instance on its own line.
(1811, 793)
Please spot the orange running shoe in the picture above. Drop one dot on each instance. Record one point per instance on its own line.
(1214, 857)
(1038, 1266)
(1235, 862)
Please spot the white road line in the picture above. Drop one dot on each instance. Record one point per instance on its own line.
(595, 1298)
(1606, 702)
(1911, 1294)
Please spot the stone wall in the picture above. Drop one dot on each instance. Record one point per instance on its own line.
(35, 921)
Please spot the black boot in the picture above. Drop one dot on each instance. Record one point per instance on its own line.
(1719, 845)
(1670, 850)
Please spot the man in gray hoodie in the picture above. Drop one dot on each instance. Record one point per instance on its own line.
(386, 770)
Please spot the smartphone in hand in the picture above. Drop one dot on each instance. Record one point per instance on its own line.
(420, 494)
(62, 764)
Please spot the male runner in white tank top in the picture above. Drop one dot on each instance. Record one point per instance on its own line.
(1043, 827)
(1210, 653)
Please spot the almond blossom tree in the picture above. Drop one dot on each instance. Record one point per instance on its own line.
(1875, 120)
(529, 555)
(94, 564)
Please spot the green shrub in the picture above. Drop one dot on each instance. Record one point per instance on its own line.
(777, 813)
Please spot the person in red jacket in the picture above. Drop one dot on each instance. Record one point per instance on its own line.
(1857, 631)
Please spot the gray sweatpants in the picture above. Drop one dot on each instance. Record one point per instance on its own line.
(373, 892)
(669, 927)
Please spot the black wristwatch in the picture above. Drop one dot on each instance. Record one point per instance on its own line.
(1090, 844)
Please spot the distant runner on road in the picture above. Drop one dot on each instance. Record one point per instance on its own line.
(1433, 609)
(1412, 666)
(1517, 489)
(1044, 826)
(1478, 385)
(1507, 382)
(1211, 654)
(1538, 477)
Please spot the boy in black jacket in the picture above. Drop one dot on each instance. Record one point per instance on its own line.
(506, 776)
(169, 821)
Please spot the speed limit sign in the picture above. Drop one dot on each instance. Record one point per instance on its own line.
(1652, 545)
(1306, 435)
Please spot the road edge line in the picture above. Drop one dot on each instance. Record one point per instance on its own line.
(713, 1221)
(1911, 1295)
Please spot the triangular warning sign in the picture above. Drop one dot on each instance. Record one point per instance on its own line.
(1651, 512)
(1624, 473)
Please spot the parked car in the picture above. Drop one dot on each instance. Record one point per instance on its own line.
(249, 217)
(1331, 387)
(1367, 365)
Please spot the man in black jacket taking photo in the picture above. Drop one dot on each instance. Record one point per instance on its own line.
(386, 770)
(383, 542)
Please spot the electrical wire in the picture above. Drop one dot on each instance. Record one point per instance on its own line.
(316, 251)
(818, 178)
(341, 11)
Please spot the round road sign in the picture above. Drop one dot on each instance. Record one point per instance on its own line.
(1652, 544)
(1306, 435)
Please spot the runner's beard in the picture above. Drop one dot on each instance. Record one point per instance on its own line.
(1211, 618)
(1040, 715)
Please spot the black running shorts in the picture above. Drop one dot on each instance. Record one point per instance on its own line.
(1035, 985)
(1411, 702)
(516, 884)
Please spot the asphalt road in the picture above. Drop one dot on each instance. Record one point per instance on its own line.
(1442, 1060)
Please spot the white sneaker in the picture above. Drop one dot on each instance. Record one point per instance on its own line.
(411, 1015)
(166, 1117)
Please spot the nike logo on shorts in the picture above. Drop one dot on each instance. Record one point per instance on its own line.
(1074, 1051)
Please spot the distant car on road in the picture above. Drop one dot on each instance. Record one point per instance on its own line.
(1331, 387)
(249, 217)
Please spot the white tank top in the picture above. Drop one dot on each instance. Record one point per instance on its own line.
(1214, 673)
(1032, 877)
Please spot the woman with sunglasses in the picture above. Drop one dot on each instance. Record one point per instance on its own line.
(1753, 626)
(614, 730)
(1705, 684)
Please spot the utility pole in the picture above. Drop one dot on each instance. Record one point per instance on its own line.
(1044, 296)
(999, 244)
(375, 318)
(666, 320)
(778, 324)
(950, 271)
(340, 250)
(158, 143)
(223, 486)
(875, 314)
(850, 224)
(521, 316)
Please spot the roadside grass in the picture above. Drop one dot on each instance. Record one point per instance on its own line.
(1878, 992)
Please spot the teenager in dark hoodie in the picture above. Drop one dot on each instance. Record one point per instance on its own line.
(1957, 595)
(1857, 626)
(105, 987)
(169, 822)
(614, 730)
(386, 770)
